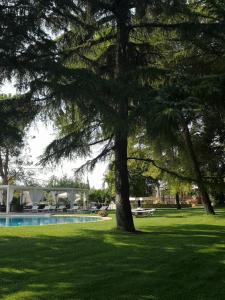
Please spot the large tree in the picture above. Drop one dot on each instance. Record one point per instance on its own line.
(97, 56)
(109, 61)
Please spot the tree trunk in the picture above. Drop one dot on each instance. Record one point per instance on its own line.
(123, 207)
(178, 201)
(4, 172)
(205, 196)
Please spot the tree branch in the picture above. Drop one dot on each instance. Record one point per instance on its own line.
(90, 164)
(151, 161)
(187, 25)
(100, 141)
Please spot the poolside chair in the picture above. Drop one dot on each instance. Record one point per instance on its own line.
(93, 209)
(61, 208)
(34, 208)
(140, 212)
(74, 208)
(27, 208)
(52, 208)
(104, 207)
(45, 209)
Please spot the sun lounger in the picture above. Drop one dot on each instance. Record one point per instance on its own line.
(45, 209)
(31, 209)
(52, 208)
(140, 212)
(34, 208)
(93, 209)
(61, 208)
(27, 208)
(74, 208)
(104, 207)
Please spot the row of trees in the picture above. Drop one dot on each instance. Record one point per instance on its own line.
(109, 70)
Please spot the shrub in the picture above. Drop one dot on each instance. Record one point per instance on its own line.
(103, 213)
(100, 196)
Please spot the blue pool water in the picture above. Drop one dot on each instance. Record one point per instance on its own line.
(43, 220)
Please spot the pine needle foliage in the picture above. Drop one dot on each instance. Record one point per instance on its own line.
(106, 58)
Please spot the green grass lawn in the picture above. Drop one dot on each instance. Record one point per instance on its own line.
(177, 255)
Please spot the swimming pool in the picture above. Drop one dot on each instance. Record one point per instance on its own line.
(15, 221)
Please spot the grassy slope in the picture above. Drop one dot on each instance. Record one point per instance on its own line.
(178, 255)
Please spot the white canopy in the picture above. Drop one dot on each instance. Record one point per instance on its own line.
(10, 193)
(1, 197)
(54, 196)
(36, 193)
(63, 195)
(26, 198)
(71, 197)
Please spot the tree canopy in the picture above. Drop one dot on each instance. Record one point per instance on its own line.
(107, 69)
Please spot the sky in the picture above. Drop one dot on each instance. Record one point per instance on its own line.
(38, 137)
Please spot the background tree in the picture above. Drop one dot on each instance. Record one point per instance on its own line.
(16, 115)
(65, 181)
(100, 196)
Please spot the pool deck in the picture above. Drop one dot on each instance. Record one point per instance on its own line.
(29, 215)
(25, 215)
(48, 214)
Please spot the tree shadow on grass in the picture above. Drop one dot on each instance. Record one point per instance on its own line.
(174, 262)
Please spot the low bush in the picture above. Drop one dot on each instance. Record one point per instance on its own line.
(103, 213)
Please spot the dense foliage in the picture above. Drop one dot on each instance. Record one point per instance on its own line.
(100, 196)
(65, 181)
(16, 115)
(109, 70)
